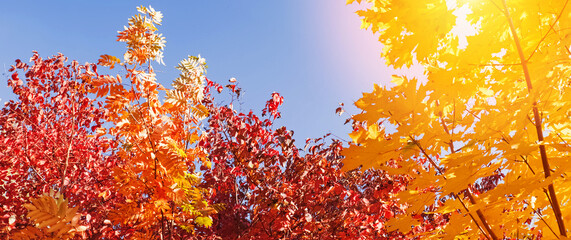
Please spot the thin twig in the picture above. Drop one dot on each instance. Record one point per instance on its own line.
(543, 220)
(478, 212)
(550, 28)
(495, 64)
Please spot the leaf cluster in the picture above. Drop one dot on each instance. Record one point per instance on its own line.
(485, 136)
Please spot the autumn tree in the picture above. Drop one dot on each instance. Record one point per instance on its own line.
(58, 174)
(490, 122)
(157, 139)
(49, 143)
(271, 189)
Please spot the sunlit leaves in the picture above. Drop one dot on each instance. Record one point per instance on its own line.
(158, 140)
(271, 190)
(53, 218)
(108, 61)
(188, 88)
(480, 119)
(143, 42)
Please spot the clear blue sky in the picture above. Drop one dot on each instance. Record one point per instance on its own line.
(313, 52)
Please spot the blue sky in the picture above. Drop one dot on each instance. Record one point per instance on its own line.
(312, 52)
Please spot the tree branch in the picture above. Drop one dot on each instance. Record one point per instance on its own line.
(472, 200)
(538, 127)
(548, 31)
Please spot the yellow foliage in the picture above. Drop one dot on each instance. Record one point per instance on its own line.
(496, 106)
(52, 217)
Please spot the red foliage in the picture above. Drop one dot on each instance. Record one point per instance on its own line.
(273, 104)
(48, 141)
(273, 190)
(270, 189)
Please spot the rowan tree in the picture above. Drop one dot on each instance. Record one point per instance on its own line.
(56, 146)
(490, 122)
(157, 139)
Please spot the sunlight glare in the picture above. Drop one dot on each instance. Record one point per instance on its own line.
(463, 28)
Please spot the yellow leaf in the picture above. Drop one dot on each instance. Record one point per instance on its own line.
(203, 221)
(401, 223)
(487, 92)
(457, 225)
(208, 164)
(397, 80)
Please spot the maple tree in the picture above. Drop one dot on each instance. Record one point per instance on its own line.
(48, 142)
(485, 137)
